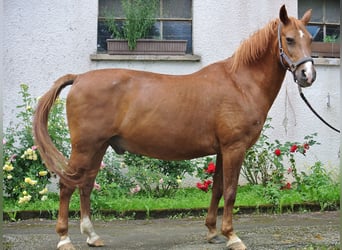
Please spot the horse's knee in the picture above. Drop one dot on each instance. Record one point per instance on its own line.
(62, 228)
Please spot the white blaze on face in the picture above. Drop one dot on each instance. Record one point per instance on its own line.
(309, 71)
(308, 66)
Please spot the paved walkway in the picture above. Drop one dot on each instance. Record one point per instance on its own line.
(319, 230)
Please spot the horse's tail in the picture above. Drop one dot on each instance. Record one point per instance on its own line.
(51, 156)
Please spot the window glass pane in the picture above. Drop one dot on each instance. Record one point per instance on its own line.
(182, 30)
(333, 33)
(316, 31)
(176, 9)
(315, 5)
(332, 11)
(110, 6)
(102, 35)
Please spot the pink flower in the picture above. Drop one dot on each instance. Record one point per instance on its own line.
(277, 152)
(136, 189)
(289, 170)
(3, 141)
(34, 147)
(161, 181)
(103, 165)
(13, 157)
(211, 168)
(97, 186)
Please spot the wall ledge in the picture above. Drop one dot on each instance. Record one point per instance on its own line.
(107, 57)
(327, 61)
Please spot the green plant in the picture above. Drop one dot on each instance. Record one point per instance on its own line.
(155, 177)
(270, 161)
(25, 176)
(139, 19)
(330, 39)
(318, 186)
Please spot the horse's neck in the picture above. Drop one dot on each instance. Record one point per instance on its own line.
(266, 74)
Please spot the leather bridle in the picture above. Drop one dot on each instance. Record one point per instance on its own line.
(291, 66)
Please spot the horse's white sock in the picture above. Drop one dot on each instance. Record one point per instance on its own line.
(88, 229)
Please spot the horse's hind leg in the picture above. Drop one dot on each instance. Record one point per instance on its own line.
(86, 225)
(62, 222)
(86, 165)
(85, 190)
(211, 219)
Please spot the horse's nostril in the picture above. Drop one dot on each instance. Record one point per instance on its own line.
(304, 76)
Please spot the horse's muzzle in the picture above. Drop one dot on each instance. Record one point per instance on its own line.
(305, 74)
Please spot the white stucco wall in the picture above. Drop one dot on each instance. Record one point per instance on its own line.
(47, 39)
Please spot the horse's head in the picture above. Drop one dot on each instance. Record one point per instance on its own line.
(295, 47)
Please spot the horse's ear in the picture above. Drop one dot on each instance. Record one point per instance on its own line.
(306, 17)
(283, 15)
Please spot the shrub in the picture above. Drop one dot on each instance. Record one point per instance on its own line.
(155, 177)
(25, 176)
(272, 161)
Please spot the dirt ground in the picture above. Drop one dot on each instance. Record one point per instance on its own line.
(318, 230)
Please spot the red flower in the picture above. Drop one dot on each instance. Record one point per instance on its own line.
(286, 186)
(277, 152)
(202, 186)
(306, 146)
(207, 182)
(293, 148)
(211, 168)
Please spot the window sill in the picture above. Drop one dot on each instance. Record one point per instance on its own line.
(107, 57)
(327, 61)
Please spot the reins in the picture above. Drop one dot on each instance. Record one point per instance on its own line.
(292, 66)
(314, 111)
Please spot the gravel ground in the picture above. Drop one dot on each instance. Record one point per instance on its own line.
(318, 230)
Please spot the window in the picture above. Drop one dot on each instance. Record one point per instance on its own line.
(324, 25)
(173, 21)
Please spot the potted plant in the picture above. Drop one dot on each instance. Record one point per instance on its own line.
(128, 37)
(330, 47)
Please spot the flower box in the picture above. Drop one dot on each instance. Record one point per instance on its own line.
(147, 47)
(325, 49)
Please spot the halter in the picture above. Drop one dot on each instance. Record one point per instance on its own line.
(291, 66)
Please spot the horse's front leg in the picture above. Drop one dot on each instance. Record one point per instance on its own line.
(86, 226)
(211, 218)
(63, 214)
(232, 161)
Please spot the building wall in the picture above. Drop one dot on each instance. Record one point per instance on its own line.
(47, 39)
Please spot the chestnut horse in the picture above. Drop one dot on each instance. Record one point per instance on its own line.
(218, 110)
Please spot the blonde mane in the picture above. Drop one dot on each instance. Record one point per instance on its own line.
(255, 46)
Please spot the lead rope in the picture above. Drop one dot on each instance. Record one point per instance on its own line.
(314, 111)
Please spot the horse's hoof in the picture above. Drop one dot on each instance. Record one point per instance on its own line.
(67, 246)
(96, 243)
(217, 240)
(236, 246)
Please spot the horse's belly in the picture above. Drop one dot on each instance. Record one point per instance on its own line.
(166, 147)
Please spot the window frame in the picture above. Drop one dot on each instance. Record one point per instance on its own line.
(159, 24)
(324, 48)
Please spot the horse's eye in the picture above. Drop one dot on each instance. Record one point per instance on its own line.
(290, 40)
